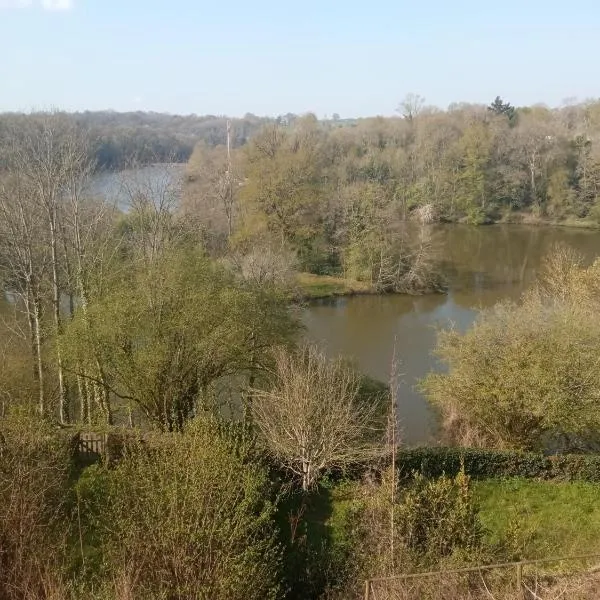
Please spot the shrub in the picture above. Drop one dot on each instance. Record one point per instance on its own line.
(526, 373)
(435, 525)
(432, 462)
(34, 523)
(438, 517)
(183, 517)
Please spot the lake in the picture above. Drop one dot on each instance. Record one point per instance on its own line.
(482, 265)
(154, 181)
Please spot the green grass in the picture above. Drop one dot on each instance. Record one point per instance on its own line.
(544, 518)
(326, 286)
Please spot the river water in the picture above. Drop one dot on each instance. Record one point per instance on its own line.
(482, 265)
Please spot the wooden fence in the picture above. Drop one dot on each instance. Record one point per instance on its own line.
(91, 447)
(411, 586)
(92, 443)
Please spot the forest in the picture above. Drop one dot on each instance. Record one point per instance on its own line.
(121, 140)
(238, 460)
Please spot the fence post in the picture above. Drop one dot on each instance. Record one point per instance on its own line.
(367, 589)
(520, 579)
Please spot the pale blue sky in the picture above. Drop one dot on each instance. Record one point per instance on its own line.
(353, 58)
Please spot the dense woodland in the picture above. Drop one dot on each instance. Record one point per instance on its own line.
(121, 140)
(247, 464)
(470, 162)
(338, 195)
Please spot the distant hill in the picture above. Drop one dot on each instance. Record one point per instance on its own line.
(148, 137)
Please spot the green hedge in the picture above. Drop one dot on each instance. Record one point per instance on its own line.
(485, 464)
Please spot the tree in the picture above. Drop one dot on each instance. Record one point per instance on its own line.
(312, 418)
(411, 106)
(472, 178)
(526, 374)
(284, 185)
(24, 260)
(165, 335)
(499, 107)
(212, 189)
(50, 157)
(151, 226)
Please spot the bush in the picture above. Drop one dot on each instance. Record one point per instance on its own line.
(182, 517)
(438, 517)
(435, 525)
(433, 462)
(34, 518)
(525, 374)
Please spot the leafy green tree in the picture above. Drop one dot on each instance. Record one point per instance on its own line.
(525, 375)
(472, 178)
(284, 184)
(499, 107)
(164, 336)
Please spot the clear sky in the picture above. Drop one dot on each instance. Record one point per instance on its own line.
(356, 58)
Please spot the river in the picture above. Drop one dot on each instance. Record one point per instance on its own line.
(483, 265)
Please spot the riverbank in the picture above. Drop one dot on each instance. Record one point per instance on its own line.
(316, 287)
(523, 218)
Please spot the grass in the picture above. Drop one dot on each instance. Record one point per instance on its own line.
(523, 519)
(527, 218)
(326, 286)
(545, 518)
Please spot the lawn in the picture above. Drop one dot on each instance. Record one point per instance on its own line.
(325, 286)
(548, 518)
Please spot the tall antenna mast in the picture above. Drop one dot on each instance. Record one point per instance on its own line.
(228, 145)
(229, 203)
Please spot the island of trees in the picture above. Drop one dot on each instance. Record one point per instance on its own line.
(237, 461)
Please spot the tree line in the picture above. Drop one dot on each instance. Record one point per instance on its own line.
(470, 162)
(339, 195)
(133, 138)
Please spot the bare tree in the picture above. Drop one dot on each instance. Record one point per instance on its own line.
(90, 246)
(212, 188)
(313, 417)
(24, 260)
(50, 155)
(411, 106)
(152, 196)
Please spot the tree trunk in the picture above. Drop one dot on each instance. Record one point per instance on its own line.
(34, 316)
(62, 389)
(306, 474)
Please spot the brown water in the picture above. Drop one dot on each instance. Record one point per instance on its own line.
(482, 264)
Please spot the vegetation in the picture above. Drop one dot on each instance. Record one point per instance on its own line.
(164, 344)
(524, 376)
(125, 139)
(313, 418)
(181, 517)
(251, 466)
(540, 518)
(479, 463)
(345, 186)
(326, 286)
(34, 509)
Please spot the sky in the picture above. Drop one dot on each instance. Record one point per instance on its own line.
(354, 58)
